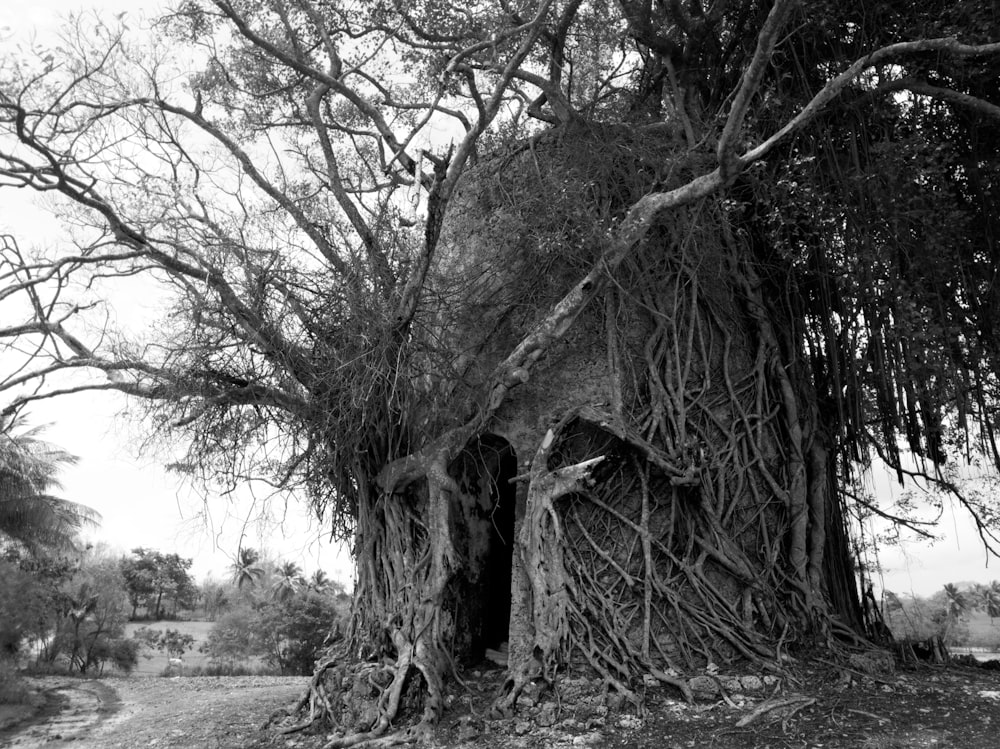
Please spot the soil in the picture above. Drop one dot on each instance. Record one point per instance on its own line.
(921, 706)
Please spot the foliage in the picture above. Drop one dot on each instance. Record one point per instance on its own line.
(30, 515)
(88, 624)
(245, 569)
(294, 630)
(26, 600)
(171, 641)
(72, 610)
(289, 581)
(230, 669)
(233, 638)
(153, 578)
(96, 610)
(215, 599)
(13, 690)
(31, 599)
(287, 633)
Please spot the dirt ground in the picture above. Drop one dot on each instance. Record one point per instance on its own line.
(823, 707)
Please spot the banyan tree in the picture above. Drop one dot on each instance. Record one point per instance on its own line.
(580, 321)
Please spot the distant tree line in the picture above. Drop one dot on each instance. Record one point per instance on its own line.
(960, 614)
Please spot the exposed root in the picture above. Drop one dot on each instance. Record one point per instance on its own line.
(787, 705)
(376, 740)
(315, 696)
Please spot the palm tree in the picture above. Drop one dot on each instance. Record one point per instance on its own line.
(245, 570)
(30, 515)
(319, 581)
(289, 581)
(991, 599)
(956, 605)
(981, 595)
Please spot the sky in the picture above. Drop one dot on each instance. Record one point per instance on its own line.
(143, 505)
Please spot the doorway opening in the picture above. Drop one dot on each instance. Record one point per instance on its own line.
(500, 558)
(486, 470)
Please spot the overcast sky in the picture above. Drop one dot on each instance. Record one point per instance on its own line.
(142, 505)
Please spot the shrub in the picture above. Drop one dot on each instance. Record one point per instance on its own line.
(12, 689)
(221, 669)
(233, 639)
(294, 631)
(288, 634)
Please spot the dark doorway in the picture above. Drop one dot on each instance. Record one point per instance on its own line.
(497, 575)
(485, 471)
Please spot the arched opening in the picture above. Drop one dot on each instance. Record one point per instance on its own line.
(485, 471)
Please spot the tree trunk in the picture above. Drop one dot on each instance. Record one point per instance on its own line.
(666, 478)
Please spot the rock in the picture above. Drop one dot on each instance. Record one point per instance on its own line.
(367, 718)
(588, 739)
(873, 662)
(752, 683)
(533, 691)
(522, 727)
(546, 715)
(574, 689)
(630, 722)
(614, 701)
(704, 687)
(468, 732)
(468, 728)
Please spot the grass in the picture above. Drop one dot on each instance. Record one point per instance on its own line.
(155, 663)
(983, 632)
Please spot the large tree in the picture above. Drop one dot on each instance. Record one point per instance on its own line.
(604, 303)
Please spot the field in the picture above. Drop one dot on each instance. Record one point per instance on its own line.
(154, 663)
(983, 631)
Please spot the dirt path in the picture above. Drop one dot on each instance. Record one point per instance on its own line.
(72, 710)
(216, 713)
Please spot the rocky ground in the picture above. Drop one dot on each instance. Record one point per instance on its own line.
(820, 707)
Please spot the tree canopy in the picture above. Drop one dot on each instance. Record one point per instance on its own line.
(151, 577)
(676, 272)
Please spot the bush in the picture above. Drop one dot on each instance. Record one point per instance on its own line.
(173, 642)
(121, 652)
(233, 639)
(294, 631)
(220, 669)
(26, 603)
(288, 634)
(12, 689)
